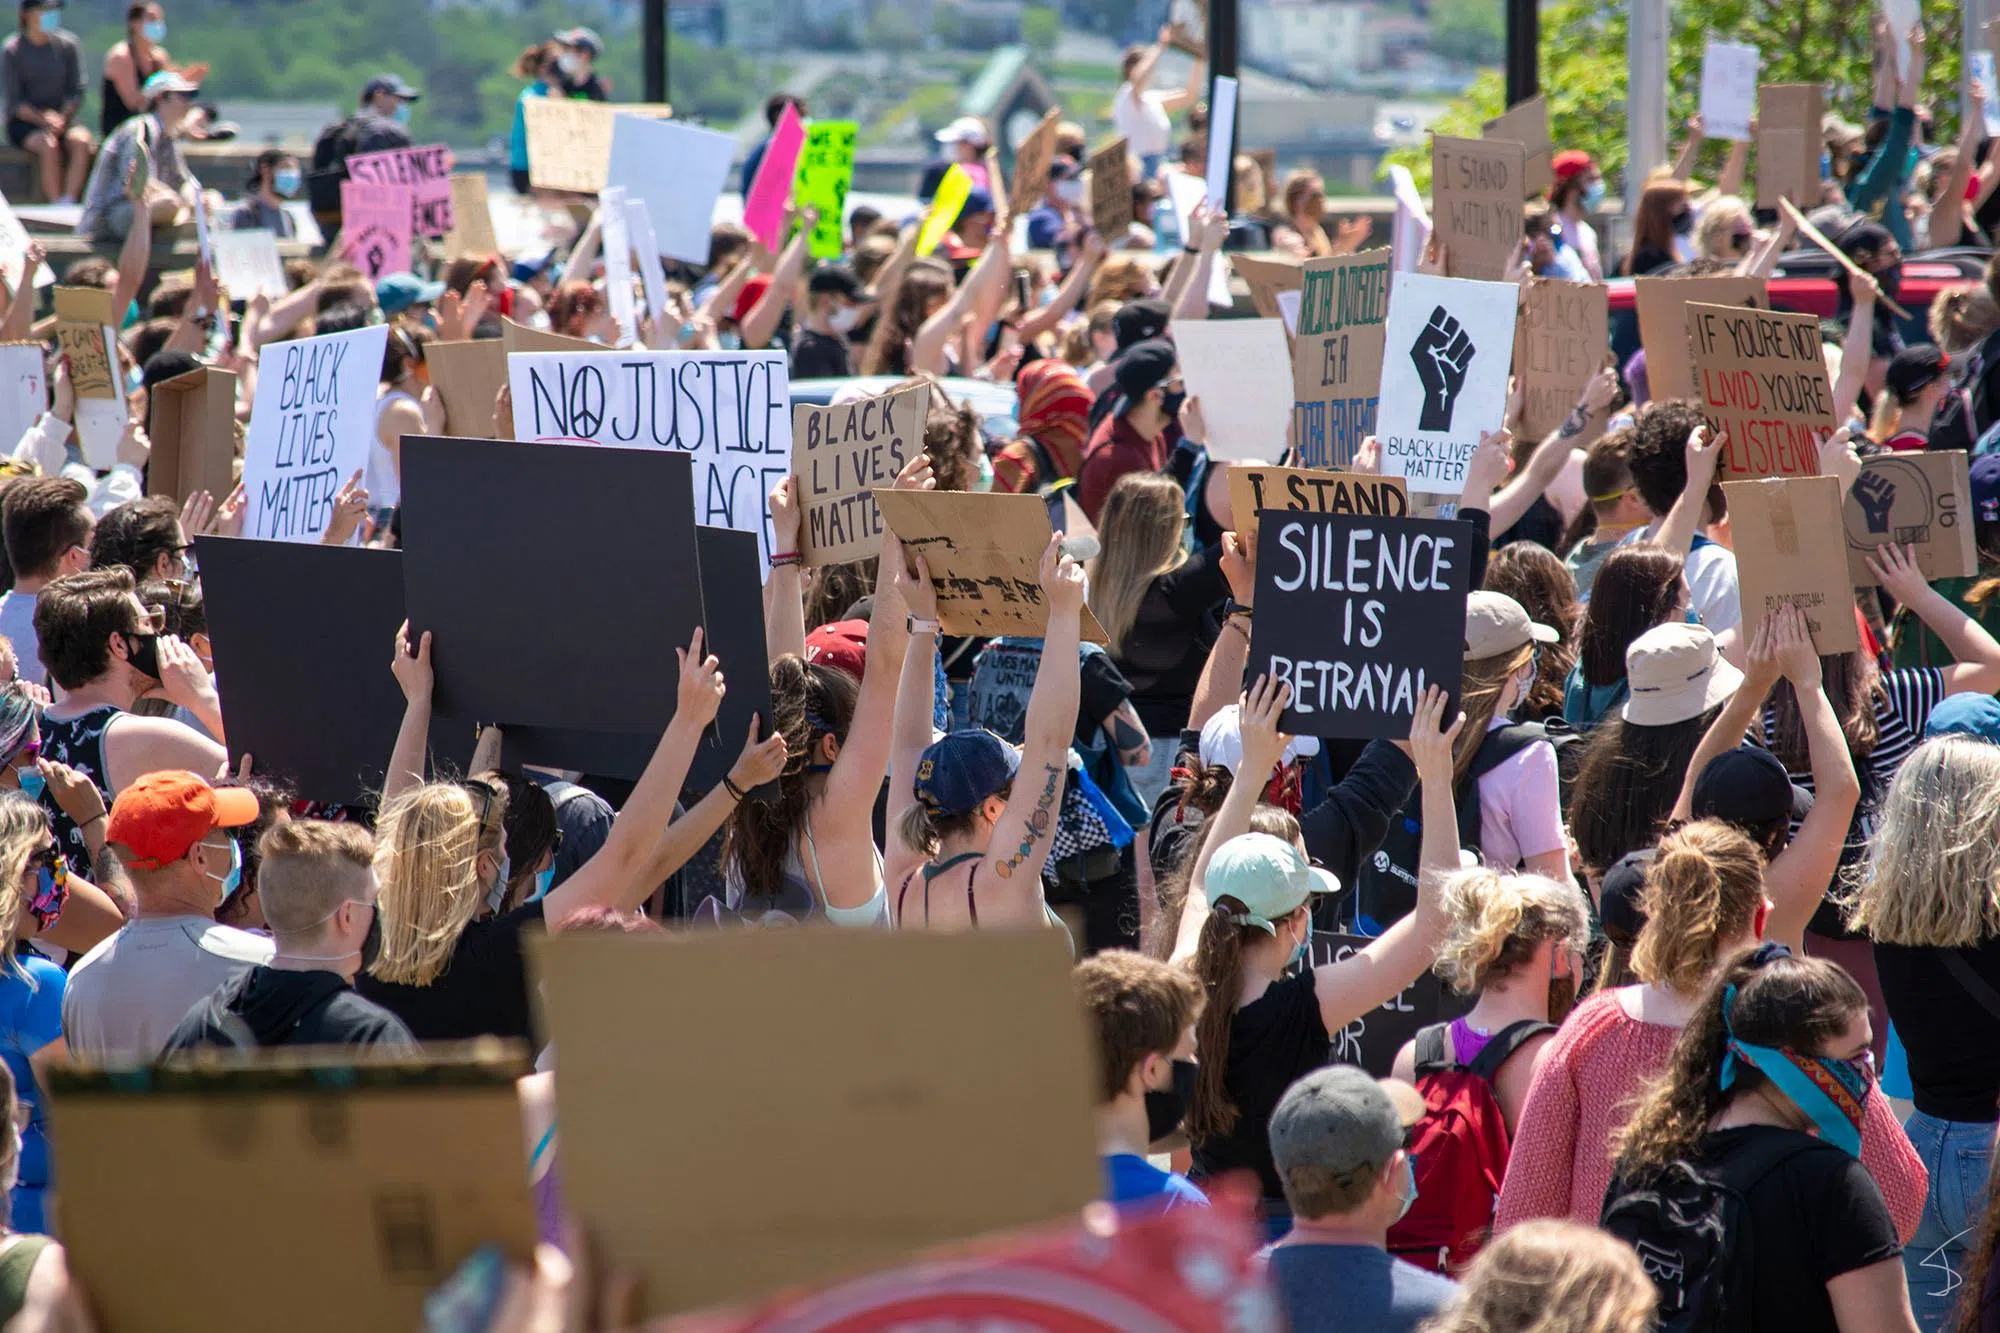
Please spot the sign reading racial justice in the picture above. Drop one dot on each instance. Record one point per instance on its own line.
(1360, 614)
(1337, 356)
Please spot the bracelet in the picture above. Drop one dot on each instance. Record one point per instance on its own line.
(93, 819)
(916, 626)
(1232, 607)
(783, 558)
(1194, 250)
(734, 790)
(1235, 624)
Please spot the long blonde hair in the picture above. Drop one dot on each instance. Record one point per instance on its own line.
(1497, 922)
(1701, 896)
(1933, 873)
(428, 842)
(24, 830)
(1552, 1277)
(1140, 532)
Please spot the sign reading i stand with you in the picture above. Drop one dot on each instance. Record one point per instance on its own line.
(1444, 376)
(730, 410)
(1337, 357)
(310, 430)
(426, 170)
(1477, 184)
(1360, 614)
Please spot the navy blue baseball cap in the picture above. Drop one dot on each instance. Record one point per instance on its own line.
(1974, 715)
(957, 773)
(1985, 484)
(1748, 787)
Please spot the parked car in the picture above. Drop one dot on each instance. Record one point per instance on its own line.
(995, 403)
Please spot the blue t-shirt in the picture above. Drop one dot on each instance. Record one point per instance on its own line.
(30, 1018)
(1329, 1287)
(1130, 1179)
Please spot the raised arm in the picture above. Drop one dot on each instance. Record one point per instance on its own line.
(1690, 148)
(888, 284)
(1222, 674)
(21, 303)
(723, 298)
(1148, 61)
(762, 321)
(1191, 275)
(1677, 532)
(1035, 323)
(1581, 429)
(1976, 668)
(1858, 349)
(1947, 221)
(784, 593)
(412, 668)
(1730, 181)
(1190, 92)
(1765, 261)
(927, 348)
(1259, 711)
(577, 267)
(1760, 672)
(760, 762)
(916, 706)
(1797, 879)
(133, 257)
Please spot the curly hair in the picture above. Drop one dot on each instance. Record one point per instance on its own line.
(1659, 454)
(1536, 577)
(1702, 894)
(1933, 874)
(1548, 1276)
(1497, 922)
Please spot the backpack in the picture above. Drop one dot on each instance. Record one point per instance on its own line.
(336, 143)
(1686, 1224)
(1460, 1148)
(1967, 417)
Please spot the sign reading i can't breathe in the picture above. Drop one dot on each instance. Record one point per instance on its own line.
(1360, 615)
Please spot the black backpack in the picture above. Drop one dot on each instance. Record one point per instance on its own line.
(1686, 1225)
(1969, 411)
(336, 143)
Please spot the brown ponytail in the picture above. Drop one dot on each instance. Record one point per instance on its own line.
(1218, 965)
(1702, 893)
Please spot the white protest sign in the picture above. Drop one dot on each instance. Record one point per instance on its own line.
(639, 222)
(1449, 346)
(1983, 70)
(1241, 369)
(247, 263)
(1412, 230)
(1728, 89)
(1902, 15)
(24, 390)
(1221, 138)
(1187, 193)
(14, 251)
(618, 261)
(202, 229)
(1288, 310)
(311, 429)
(678, 170)
(731, 411)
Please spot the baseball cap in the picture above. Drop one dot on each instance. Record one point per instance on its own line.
(838, 279)
(1268, 875)
(27, 5)
(955, 774)
(1676, 675)
(1570, 162)
(1495, 623)
(583, 37)
(397, 292)
(977, 203)
(1144, 366)
(166, 81)
(1338, 1123)
(966, 129)
(1973, 715)
(532, 265)
(1915, 369)
(1985, 487)
(162, 815)
(843, 645)
(1140, 321)
(1748, 786)
(747, 299)
(1620, 908)
(1222, 742)
(389, 83)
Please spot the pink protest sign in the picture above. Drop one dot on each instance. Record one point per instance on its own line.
(764, 208)
(425, 170)
(375, 222)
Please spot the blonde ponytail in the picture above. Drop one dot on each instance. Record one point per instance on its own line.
(1701, 895)
(1497, 922)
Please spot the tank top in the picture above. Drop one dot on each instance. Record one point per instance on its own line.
(116, 113)
(796, 900)
(79, 743)
(385, 488)
(931, 871)
(17, 1265)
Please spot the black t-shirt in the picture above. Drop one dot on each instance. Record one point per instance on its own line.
(482, 992)
(1650, 259)
(820, 356)
(1953, 1043)
(1167, 647)
(266, 1006)
(1274, 1041)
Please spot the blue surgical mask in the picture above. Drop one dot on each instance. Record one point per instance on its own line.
(32, 782)
(1691, 616)
(234, 879)
(50, 20)
(543, 879)
(498, 893)
(1825, 165)
(286, 181)
(402, 113)
(1409, 1187)
(155, 30)
(731, 340)
(1299, 950)
(1593, 195)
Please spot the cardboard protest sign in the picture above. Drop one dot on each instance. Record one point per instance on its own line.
(1242, 372)
(1031, 163)
(194, 434)
(1444, 376)
(1662, 305)
(86, 332)
(730, 412)
(569, 140)
(24, 388)
(426, 170)
(1478, 188)
(1111, 191)
(984, 550)
(1337, 355)
(1761, 376)
(1788, 143)
(1288, 311)
(1834, 252)
(469, 377)
(1728, 89)
(384, 1170)
(14, 252)
(1790, 548)
(311, 428)
(1912, 499)
(284, 664)
(375, 227)
(551, 629)
(826, 173)
(764, 206)
(471, 231)
(1254, 487)
(520, 338)
(1527, 123)
(953, 190)
(1369, 612)
(840, 455)
(1372, 1040)
(862, 1067)
(1268, 278)
(247, 264)
(679, 171)
(1559, 347)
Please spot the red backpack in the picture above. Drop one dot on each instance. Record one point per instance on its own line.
(1460, 1147)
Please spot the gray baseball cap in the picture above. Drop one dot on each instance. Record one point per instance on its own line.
(1337, 1122)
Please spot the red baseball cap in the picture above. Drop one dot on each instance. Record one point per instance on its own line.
(162, 815)
(843, 644)
(747, 299)
(1570, 162)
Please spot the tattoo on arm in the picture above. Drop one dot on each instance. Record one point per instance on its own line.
(1574, 423)
(1041, 821)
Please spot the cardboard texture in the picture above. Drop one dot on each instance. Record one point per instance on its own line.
(1839, 256)
(569, 141)
(84, 318)
(375, 227)
(840, 455)
(1662, 306)
(285, 665)
(311, 428)
(1444, 376)
(1558, 348)
(1368, 613)
(1914, 499)
(826, 174)
(1337, 355)
(1728, 89)
(526, 642)
(1267, 278)
(984, 551)
(1111, 191)
(469, 377)
(892, 1038)
(247, 264)
(679, 170)
(1254, 488)
(194, 435)
(1790, 547)
(1788, 143)
(1527, 123)
(520, 338)
(1241, 370)
(1477, 188)
(1031, 163)
(24, 388)
(1761, 376)
(375, 1186)
(1373, 1039)
(471, 233)
(426, 170)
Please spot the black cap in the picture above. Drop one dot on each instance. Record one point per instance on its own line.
(389, 83)
(1620, 908)
(1864, 240)
(1136, 321)
(1749, 788)
(1142, 367)
(838, 279)
(1915, 369)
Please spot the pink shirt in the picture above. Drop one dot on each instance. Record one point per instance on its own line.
(1520, 806)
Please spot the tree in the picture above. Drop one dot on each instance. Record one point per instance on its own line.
(1041, 29)
(1469, 30)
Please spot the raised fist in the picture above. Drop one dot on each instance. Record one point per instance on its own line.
(1443, 353)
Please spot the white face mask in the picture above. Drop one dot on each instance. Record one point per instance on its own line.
(844, 318)
(1070, 191)
(569, 64)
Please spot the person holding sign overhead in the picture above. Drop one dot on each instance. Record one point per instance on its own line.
(1145, 117)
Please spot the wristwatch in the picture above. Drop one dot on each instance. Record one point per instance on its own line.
(917, 626)
(1232, 607)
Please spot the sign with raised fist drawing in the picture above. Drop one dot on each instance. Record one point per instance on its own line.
(1449, 345)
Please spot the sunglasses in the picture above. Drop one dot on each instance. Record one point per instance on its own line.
(484, 795)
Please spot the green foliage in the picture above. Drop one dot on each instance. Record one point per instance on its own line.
(1041, 28)
(1470, 30)
(892, 29)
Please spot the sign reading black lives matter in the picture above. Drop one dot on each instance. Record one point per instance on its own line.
(310, 430)
(731, 412)
(1361, 615)
(1445, 359)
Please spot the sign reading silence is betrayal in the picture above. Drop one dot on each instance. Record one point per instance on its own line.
(427, 173)
(1444, 376)
(840, 455)
(311, 429)
(1360, 615)
(731, 411)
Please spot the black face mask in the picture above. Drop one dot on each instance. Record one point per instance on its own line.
(1165, 1110)
(1170, 404)
(1683, 224)
(142, 651)
(1890, 280)
(371, 943)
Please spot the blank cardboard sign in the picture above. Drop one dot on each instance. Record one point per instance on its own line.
(304, 679)
(1789, 548)
(1662, 305)
(904, 1105)
(194, 434)
(984, 551)
(373, 1185)
(469, 377)
(1914, 499)
(523, 639)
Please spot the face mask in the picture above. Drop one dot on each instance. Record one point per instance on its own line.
(1825, 166)
(1691, 616)
(1409, 1196)
(543, 879)
(371, 943)
(155, 31)
(50, 20)
(32, 782)
(287, 181)
(1165, 1109)
(1593, 195)
(1684, 223)
(498, 893)
(844, 319)
(1890, 280)
(569, 64)
(234, 879)
(401, 115)
(1299, 950)
(731, 340)
(1833, 1094)
(142, 654)
(1171, 404)
(1070, 192)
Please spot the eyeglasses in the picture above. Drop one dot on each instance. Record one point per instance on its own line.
(153, 621)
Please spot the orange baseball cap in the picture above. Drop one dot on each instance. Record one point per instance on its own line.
(162, 815)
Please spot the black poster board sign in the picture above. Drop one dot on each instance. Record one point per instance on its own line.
(1360, 614)
(1373, 1039)
(303, 635)
(557, 579)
